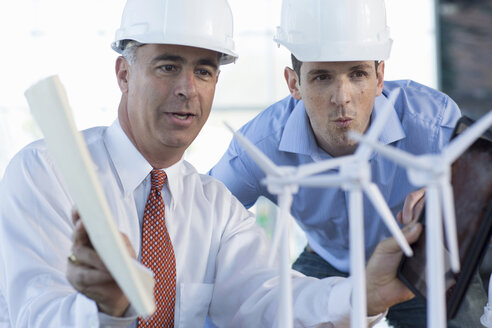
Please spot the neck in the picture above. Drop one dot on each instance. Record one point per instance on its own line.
(340, 151)
(159, 163)
(337, 149)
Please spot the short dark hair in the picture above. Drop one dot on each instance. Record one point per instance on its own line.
(296, 66)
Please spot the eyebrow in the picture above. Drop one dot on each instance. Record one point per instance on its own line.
(180, 59)
(168, 57)
(363, 66)
(319, 71)
(360, 67)
(208, 62)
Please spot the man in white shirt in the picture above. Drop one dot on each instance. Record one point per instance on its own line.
(167, 75)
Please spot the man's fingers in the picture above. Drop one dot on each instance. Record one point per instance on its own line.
(408, 212)
(411, 233)
(75, 215)
(80, 236)
(384, 289)
(83, 277)
(418, 208)
(88, 257)
(88, 274)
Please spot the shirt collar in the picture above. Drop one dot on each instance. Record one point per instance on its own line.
(174, 183)
(393, 130)
(132, 168)
(298, 136)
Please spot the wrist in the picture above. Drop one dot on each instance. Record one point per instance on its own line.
(375, 305)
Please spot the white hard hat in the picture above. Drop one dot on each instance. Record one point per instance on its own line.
(203, 24)
(334, 30)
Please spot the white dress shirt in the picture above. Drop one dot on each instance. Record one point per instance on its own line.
(221, 255)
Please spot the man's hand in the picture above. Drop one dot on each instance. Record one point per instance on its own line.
(384, 289)
(88, 274)
(414, 203)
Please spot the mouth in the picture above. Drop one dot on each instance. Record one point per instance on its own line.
(181, 119)
(343, 122)
(182, 116)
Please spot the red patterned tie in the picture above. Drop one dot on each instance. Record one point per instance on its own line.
(158, 255)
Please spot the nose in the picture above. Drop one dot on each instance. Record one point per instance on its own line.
(341, 93)
(185, 87)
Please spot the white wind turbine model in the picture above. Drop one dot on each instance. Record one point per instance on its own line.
(284, 191)
(433, 172)
(354, 176)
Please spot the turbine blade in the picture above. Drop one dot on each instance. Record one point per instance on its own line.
(258, 157)
(459, 144)
(363, 151)
(325, 180)
(374, 194)
(450, 222)
(399, 156)
(318, 167)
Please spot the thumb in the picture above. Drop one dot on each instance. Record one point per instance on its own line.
(411, 233)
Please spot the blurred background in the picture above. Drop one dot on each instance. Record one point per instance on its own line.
(444, 44)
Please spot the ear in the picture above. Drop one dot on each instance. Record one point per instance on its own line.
(122, 69)
(380, 78)
(292, 83)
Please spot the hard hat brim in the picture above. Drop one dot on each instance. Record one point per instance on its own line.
(337, 52)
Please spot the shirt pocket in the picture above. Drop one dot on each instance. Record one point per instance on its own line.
(194, 303)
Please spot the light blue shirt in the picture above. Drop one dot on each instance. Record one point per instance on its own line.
(422, 122)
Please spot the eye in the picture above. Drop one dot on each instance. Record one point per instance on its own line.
(168, 68)
(322, 77)
(203, 72)
(359, 74)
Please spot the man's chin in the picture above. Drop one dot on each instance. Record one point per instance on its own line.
(345, 147)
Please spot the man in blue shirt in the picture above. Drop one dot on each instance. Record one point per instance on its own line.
(337, 85)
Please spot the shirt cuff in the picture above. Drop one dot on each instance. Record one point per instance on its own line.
(107, 321)
(340, 305)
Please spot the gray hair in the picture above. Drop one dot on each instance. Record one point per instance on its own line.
(130, 50)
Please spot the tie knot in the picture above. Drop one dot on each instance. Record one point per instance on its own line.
(158, 178)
